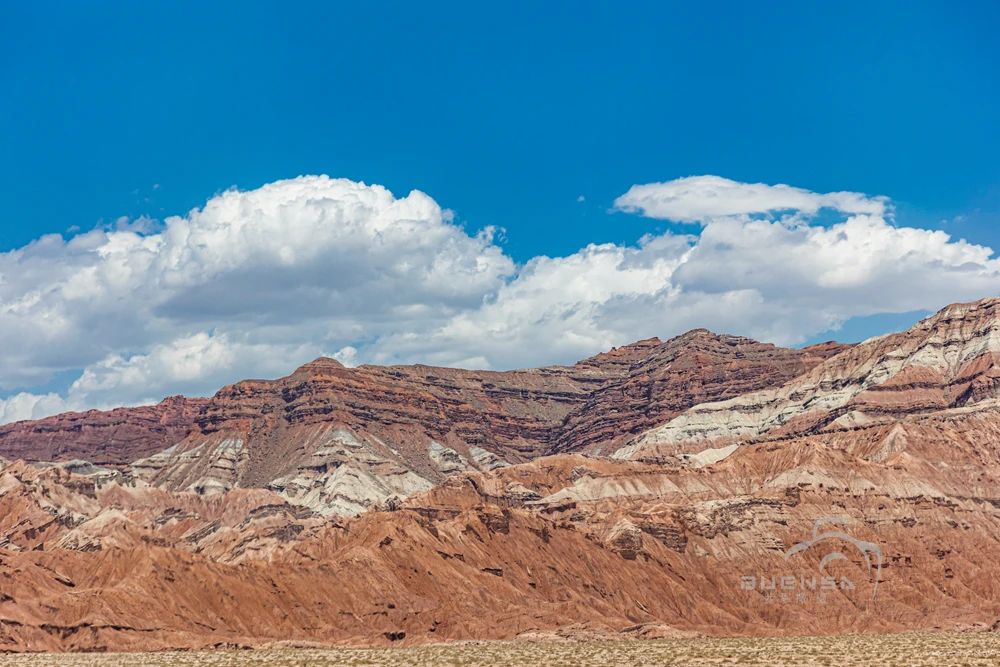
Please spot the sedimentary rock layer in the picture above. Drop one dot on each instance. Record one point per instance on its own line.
(752, 490)
(114, 437)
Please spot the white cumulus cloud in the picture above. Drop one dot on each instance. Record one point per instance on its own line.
(258, 279)
(26, 405)
(258, 282)
(697, 198)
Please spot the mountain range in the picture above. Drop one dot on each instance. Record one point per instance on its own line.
(663, 488)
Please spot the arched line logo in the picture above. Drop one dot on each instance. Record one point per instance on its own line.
(871, 552)
(836, 544)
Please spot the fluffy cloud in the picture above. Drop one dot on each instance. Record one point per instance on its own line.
(25, 405)
(311, 259)
(773, 280)
(760, 266)
(697, 198)
(556, 310)
(258, 282)
(186, 365)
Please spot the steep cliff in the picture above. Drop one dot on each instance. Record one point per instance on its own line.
(114, 437)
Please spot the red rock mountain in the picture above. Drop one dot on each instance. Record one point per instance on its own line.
(706, 484)
(115, 437)
(342, 439)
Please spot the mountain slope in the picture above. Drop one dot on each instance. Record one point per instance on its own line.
(608, 546)
(114, 437)
(829, 490)
(339, 440)
(947, 360)
(694, 368)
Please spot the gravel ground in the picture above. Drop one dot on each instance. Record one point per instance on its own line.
(903, 650)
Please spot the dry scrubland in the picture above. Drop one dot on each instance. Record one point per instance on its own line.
(904, 650)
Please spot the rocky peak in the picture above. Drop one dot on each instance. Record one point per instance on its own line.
(664, 378)
(318, 366)
(619, 359)
(947, 360)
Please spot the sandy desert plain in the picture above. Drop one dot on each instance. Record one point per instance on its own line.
(899, 650)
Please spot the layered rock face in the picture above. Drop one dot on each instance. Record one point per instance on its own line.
(115, 438)
(751, 491)
(339, 440)
(603, 546)
(671, 377)
(948, 360)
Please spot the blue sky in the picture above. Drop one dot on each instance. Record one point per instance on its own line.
(530, 117)
(505, 114)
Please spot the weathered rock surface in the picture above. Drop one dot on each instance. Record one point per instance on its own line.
(339, 440)
(770, 492)
(114, 437)
(564, 540)
(667, 378)
(945, 361)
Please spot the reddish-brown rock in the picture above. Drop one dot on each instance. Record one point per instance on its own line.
(948, 360)
(340, 440)
(670, 377)
(877, 466)
(564, 540)
(113, 437)
(516, 415)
